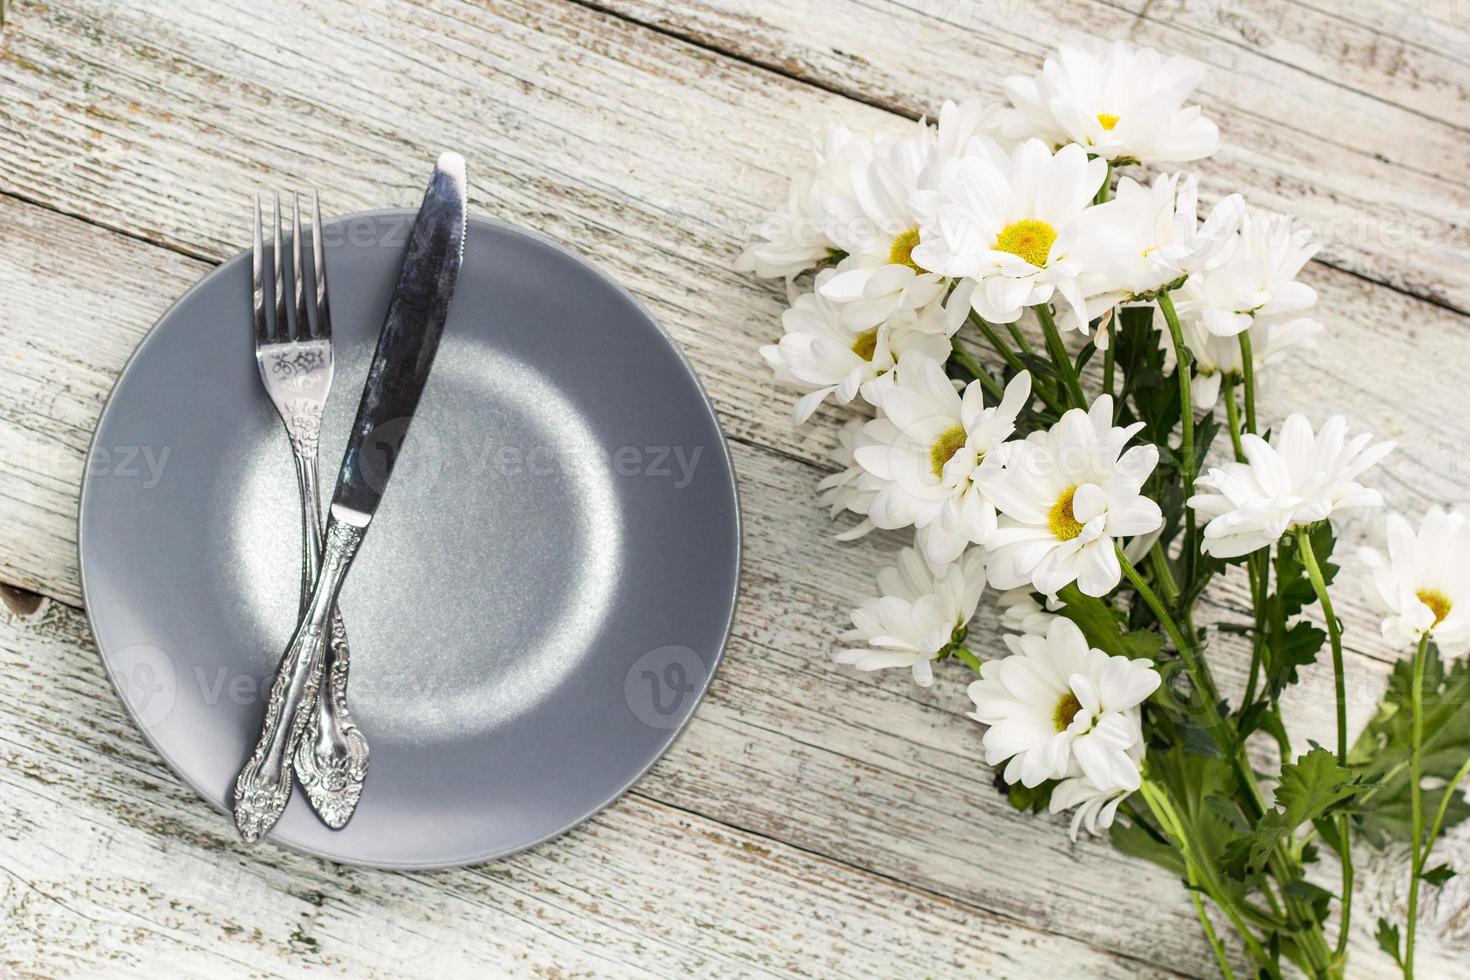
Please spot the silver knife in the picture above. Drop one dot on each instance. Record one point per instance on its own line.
(406, 348)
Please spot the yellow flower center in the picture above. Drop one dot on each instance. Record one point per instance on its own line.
(945, 447)
(1029, 239)
(1108, 120)
(1061, 520)
(1437, 601)
(1067, 709)
(865, 344)
(902, 250)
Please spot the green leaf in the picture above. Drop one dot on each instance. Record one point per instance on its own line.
(1437, 876)
(1290, 648)
(1246, 855)
(1027, 799)
(1141, 841)
(1388, 939)
(1313, 786)
(1103, 629)
(1381, 754)
(1316, 897)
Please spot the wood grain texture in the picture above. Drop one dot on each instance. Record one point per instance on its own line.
(113, 868)
(811, 819)
(1358, 133)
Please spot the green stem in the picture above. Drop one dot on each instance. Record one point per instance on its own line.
(1208, 926)
(1216, 724)
(964, 656)
(1200, 873)
(1248, 369)
(1192, 663)
(1258, 566)
(1039, 387)
(1339, 685)
(1019, 336)
(1106, 190)
(1159, 562)
(1416, 803)
(1058, 351)
(1258, 563)
(980, 374)
(1232, 415)
(1184, 359)
(1444, 806)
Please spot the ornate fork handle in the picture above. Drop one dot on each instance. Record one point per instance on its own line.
(331, 759)
(264, 784)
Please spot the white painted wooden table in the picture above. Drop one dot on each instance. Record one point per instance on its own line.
(810, 822)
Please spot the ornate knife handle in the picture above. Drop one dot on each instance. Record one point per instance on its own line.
(264, 784)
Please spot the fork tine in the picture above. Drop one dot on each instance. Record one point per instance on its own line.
(319, 268)
(298, 273)
(257, 268)
(283, 326)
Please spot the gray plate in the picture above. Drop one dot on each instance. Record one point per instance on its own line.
(542, 597)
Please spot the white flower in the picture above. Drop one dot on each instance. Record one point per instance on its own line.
(877, 228)
(1021, 613)
(842, 491)
(930, 452)
(961, 122)
(1423, 586)
(915, 615)
(822, 356)
(1292, 481)
(1125, 106)
(1065, 497)
(1257, 282)
(1054, 701)
(1008, 224)
(1218, 358)
(1095, 807)
(1149, 235)
(794, 239)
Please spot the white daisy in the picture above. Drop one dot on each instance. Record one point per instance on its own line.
(1256, 282)
(960, 122)
(915, 616)
(1423, 586)
(1008, 224)
(842, 490)
(822, 356)
(1294, 480)
(1149, 235)
(794, 239)
(1021, 613)
(1055, 701)
(877, 228)
(1093, 807)
(1065, 497)
(930, 453)
(1126, 106)
(1218, 358)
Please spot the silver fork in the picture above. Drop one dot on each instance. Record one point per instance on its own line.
(331, 754)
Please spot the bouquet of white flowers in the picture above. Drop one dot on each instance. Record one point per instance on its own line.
(1012, 227)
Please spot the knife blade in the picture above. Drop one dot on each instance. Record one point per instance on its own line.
(396, 378)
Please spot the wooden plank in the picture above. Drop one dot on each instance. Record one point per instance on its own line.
(114, 868)
(1332, 122)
